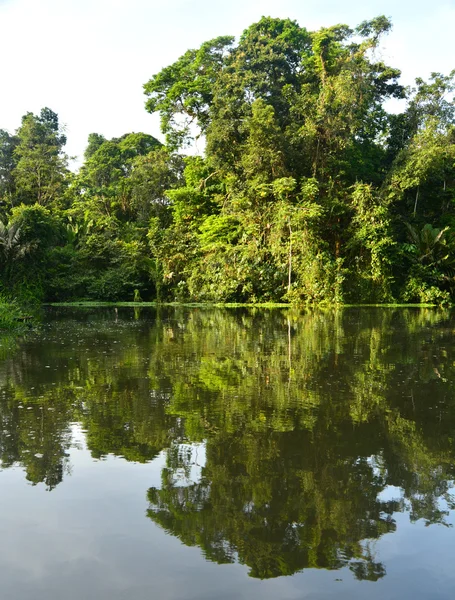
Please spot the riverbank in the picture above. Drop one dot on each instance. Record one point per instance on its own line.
(89, 304)
(11, 315)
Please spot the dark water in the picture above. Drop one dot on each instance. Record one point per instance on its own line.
(197, 454)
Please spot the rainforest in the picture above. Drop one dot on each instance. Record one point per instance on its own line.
(320, 178)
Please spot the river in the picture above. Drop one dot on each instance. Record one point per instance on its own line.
(198, 453)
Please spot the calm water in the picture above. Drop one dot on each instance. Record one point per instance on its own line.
(194, 454)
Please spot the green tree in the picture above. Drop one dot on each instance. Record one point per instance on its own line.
(183, 92)
(286, 107)
(40, 172)
(8, 144)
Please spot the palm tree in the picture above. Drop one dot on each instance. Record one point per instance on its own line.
(11, 248)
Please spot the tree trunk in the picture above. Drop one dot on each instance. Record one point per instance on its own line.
(290, 258)
(417, 199)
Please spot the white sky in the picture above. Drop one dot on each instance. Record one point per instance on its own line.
(88, 59)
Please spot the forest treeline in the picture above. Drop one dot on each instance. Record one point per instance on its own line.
(310, 189)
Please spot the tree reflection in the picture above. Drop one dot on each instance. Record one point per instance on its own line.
(306, 419)
(275, 503)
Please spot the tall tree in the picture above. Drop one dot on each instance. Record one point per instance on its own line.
(41, 165)
(8, 144)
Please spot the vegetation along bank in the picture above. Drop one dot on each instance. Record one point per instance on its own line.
(310, 190)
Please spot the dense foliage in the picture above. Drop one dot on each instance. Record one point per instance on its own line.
(309, 190)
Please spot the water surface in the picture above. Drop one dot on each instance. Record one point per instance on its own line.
(188, 454)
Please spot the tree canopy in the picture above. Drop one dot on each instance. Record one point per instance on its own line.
(309, 189)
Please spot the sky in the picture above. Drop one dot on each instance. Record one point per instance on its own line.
(87, 60)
